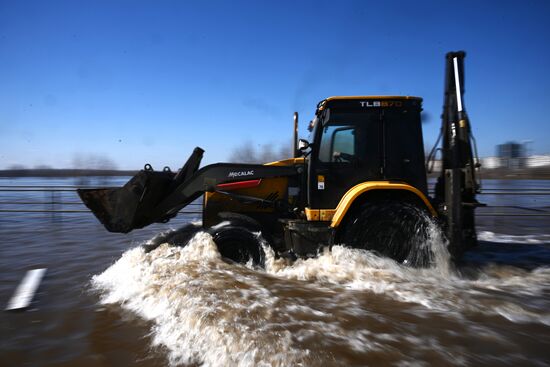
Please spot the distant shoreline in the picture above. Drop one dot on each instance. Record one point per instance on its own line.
(52, 172)
(540, 173)
(537, 173)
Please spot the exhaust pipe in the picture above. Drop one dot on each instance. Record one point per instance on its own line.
(295, 151)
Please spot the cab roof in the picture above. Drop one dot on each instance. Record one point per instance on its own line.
(370, 101)
(371, 97)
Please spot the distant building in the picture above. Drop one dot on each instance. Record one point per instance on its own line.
(491, 162)
(497, 162)
(512, 155)
(538, 161)
(511, 150)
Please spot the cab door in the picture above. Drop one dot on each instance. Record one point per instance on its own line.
(348, 152)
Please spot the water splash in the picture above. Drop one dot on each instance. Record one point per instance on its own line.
(204, 311)
(211, 312)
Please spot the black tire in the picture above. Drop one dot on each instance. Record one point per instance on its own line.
(239, 244)
(179, 237)
(398, 230)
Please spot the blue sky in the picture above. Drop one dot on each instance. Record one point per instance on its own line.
(147, 81)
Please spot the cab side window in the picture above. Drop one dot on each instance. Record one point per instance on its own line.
(337, 144)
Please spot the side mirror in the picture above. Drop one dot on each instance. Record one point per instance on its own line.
(303, 144)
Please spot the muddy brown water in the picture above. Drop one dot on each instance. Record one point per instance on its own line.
(105, 302)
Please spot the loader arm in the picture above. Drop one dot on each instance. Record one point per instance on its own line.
(152, 197)
(208, 177)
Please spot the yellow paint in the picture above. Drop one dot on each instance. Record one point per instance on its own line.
(215, 202)
(353, 193)
(286, 162)
(324, 102)
(326, 214)
(462, 123)
(323, 215)
(312, 214)
(372, 97)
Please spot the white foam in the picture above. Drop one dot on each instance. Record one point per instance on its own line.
(210, 312)
(202, 312)
(507, 238)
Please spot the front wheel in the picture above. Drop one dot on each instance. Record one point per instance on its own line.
(178, 237)
(398, 230)
(239, 244)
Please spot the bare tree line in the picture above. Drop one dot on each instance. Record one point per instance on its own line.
(80, 161)
(260, 153)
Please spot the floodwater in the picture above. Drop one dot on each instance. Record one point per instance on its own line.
(106, 302)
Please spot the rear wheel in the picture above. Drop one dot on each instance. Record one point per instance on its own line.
(239, 244)
(398, 230)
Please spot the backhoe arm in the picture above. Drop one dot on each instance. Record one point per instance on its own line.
(457, 185)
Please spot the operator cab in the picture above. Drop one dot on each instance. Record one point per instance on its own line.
(359, 139)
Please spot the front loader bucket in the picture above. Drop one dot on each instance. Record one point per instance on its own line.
(133, 205)
(103, 203)
(126, 208)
